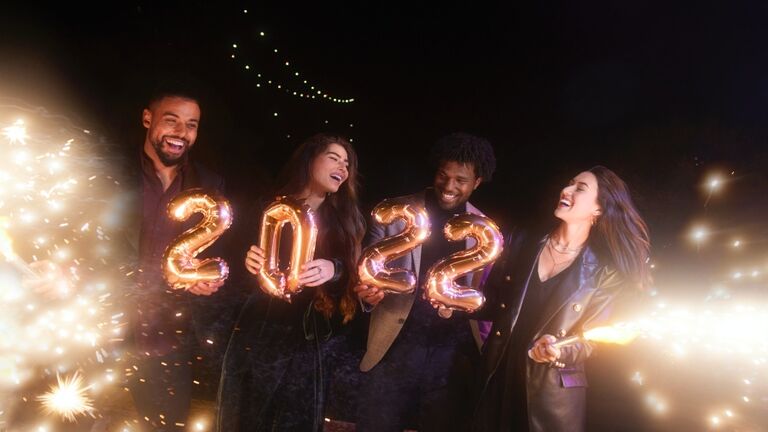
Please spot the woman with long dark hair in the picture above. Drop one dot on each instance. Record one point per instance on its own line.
(276, 367)
(552, 287)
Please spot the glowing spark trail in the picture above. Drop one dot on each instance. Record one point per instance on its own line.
(619, 334)
(717, 331)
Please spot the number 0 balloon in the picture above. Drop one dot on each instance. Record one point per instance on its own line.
(285, 210)
(180, 267)
(441, 288)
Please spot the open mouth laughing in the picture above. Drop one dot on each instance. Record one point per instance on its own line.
(338, 177)
(175, 145)
(448, 197)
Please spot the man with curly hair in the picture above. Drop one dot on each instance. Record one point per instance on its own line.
(417, 364)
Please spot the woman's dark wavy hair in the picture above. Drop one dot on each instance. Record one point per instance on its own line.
(343, 220)
(620, 233)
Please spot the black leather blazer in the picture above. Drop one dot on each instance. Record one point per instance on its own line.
(583, 300)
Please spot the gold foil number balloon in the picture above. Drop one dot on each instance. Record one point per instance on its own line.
(372, 268)
(180, 267)
(441, 288)
(285, 210)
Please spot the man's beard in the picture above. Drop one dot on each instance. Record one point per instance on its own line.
(167, 159)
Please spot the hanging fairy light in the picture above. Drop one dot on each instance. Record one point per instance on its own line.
(309, 91)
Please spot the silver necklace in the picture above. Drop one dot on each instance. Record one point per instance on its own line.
(563, 249)
(557, 265)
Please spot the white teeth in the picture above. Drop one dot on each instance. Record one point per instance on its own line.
(178, 144)
(565, 202)
(336, 177)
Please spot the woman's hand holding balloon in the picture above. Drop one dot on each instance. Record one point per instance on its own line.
(254, 259)
(316, 272)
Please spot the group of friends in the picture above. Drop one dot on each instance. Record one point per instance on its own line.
(492, 370)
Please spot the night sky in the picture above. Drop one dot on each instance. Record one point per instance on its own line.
(664, 93)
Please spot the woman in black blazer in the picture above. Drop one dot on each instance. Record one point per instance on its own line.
(555, 286)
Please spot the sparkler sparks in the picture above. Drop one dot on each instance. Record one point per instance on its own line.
(726, 336)
(6, 249)
(719, 331)
(68, 398)
(616, 334)
(16, 133)
(57, 283)
(619, 334)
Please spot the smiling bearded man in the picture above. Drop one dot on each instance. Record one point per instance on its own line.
(165, 323)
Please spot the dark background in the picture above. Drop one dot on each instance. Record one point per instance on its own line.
(664, 93)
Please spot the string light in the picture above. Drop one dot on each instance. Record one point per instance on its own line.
(302, 88)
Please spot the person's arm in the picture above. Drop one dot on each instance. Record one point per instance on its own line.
(610, 292)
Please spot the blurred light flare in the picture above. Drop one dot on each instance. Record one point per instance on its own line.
(725, 333)
(699, 234)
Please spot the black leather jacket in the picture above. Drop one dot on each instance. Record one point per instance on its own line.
(583, 300)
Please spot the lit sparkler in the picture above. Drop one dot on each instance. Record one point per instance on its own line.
(68, 398)
(692, 339)
(732, 330)
(57, 274)
(620, 334)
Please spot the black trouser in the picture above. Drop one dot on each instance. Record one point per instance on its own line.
(419, 385)
(162, 390)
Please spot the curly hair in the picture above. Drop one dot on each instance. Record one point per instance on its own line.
(466, 149)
